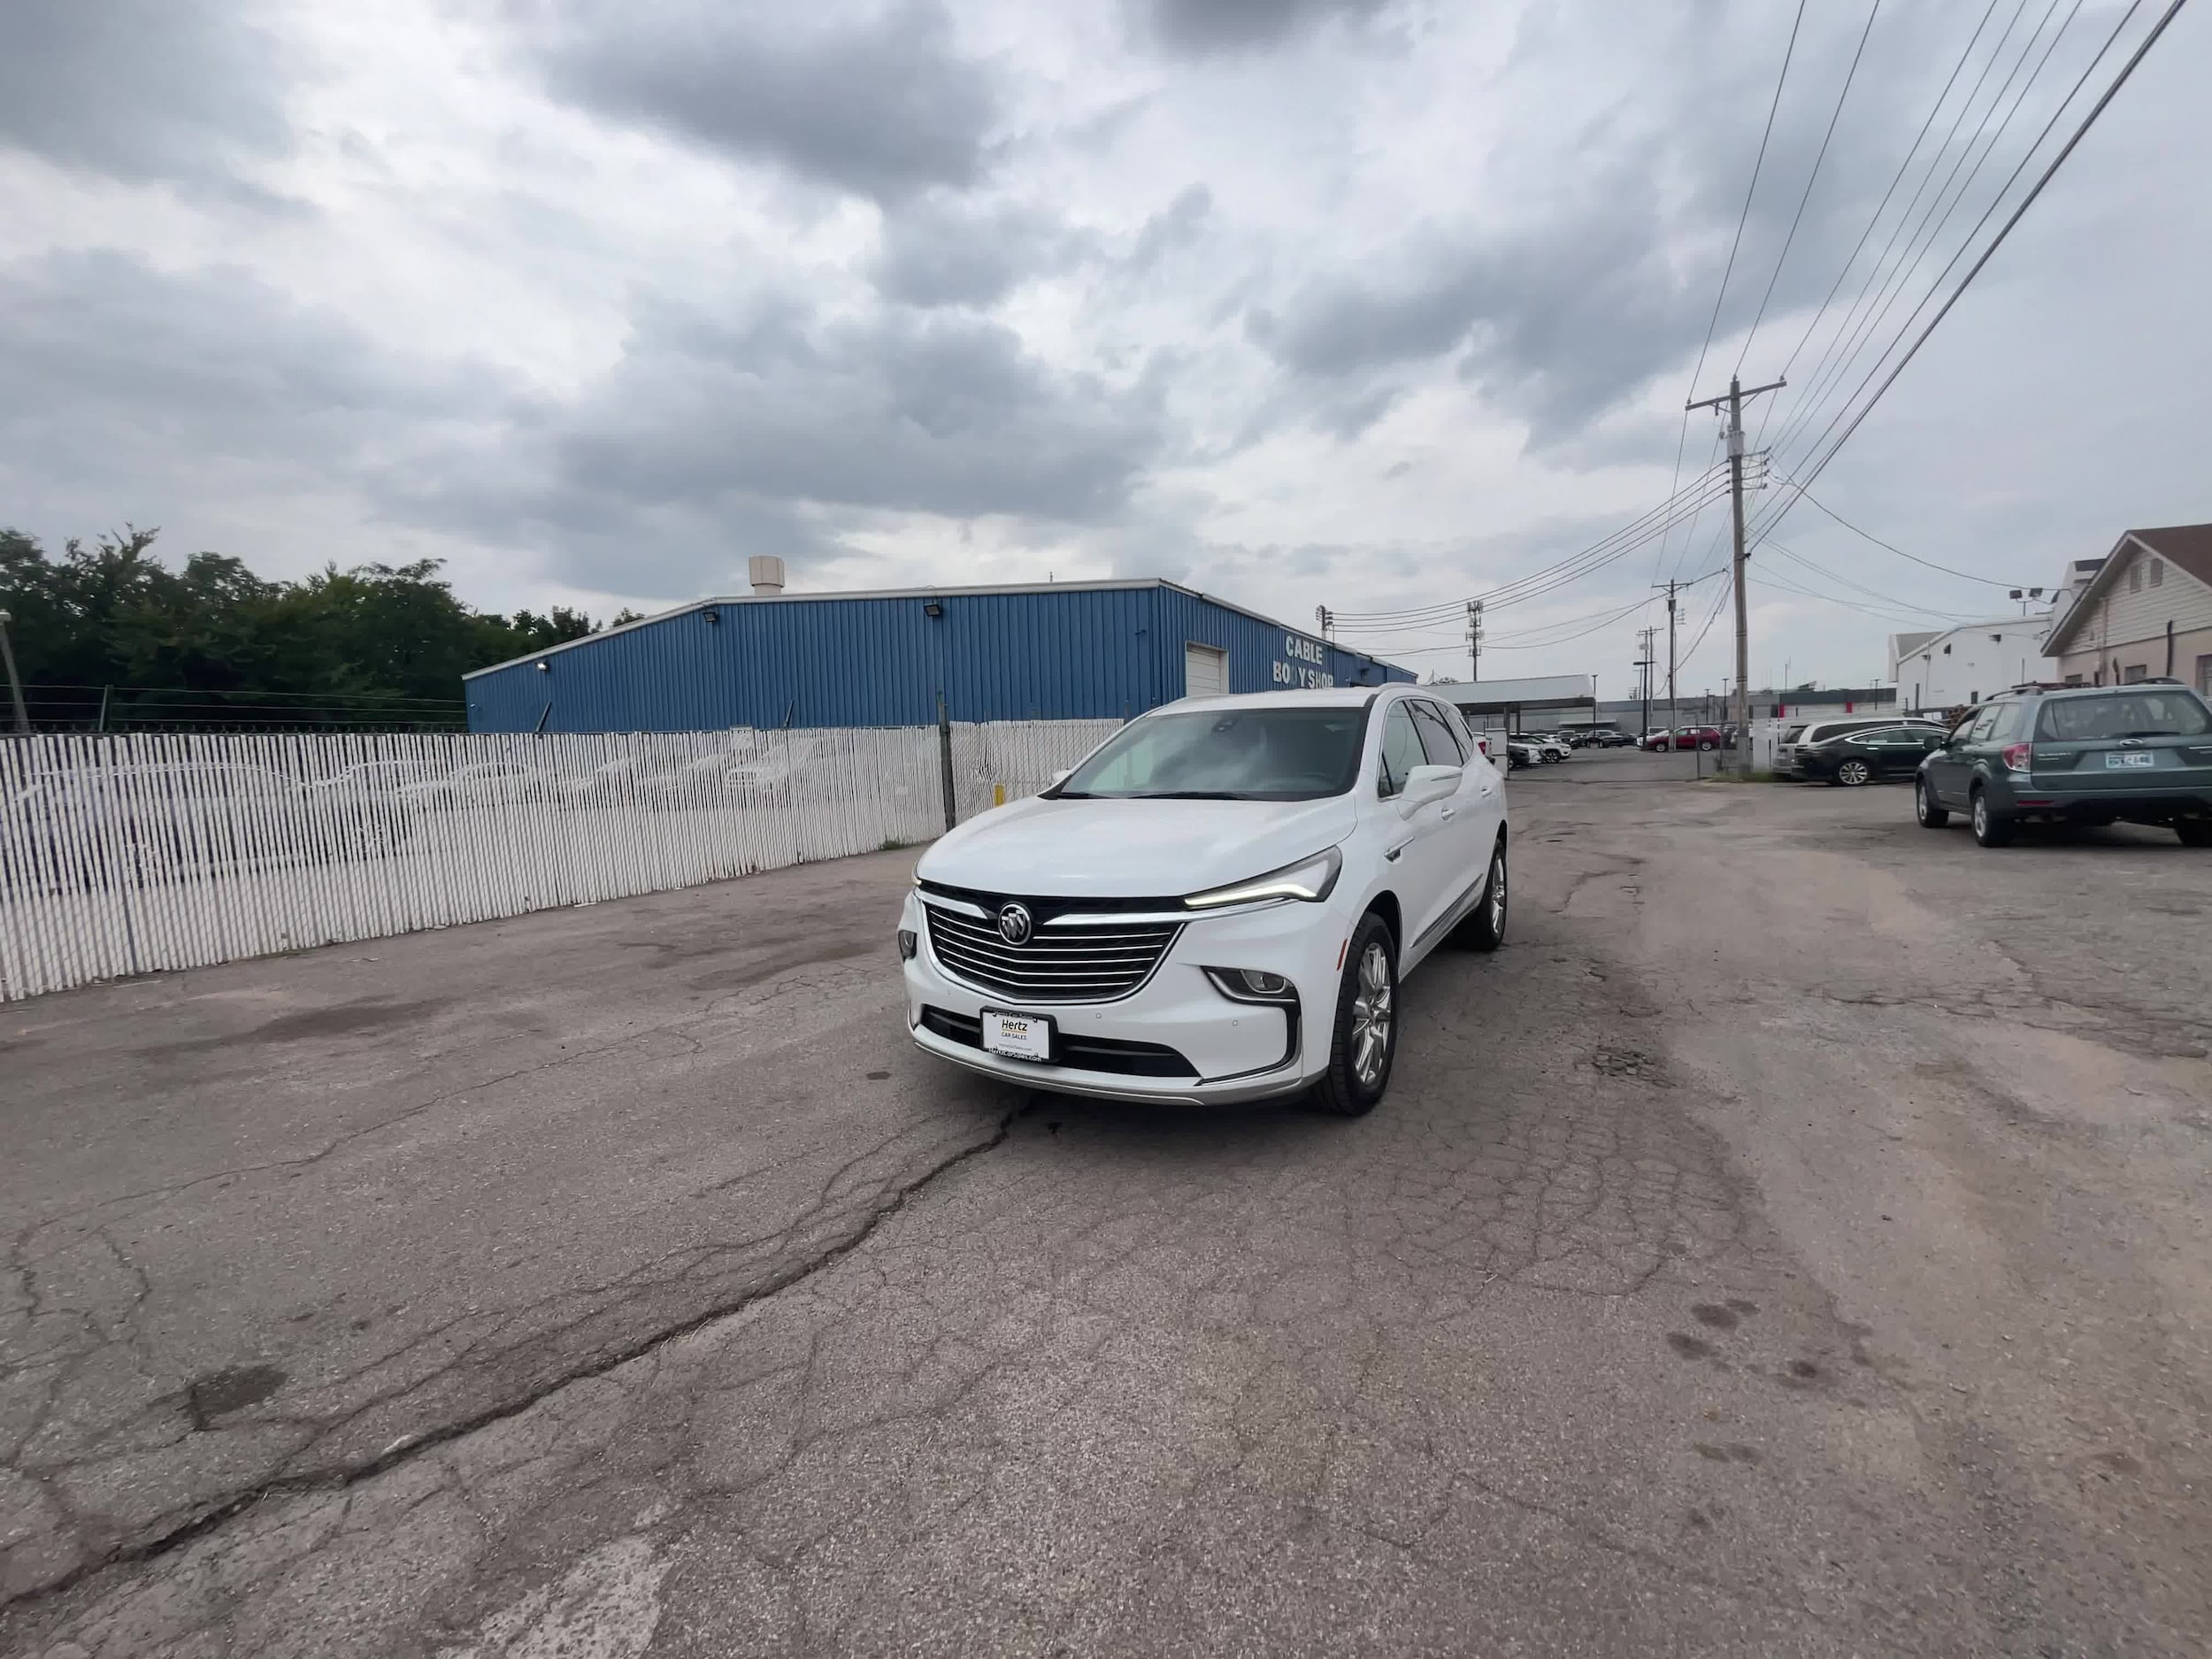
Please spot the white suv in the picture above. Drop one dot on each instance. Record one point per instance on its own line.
(1217, 904)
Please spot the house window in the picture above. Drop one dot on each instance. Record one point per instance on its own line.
(2158, 571)
(1947, 651)
(2075, 679)
(2204, 675)
(2137, 674)
(2135, 579)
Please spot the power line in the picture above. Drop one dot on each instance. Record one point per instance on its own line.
(1963, 575)
(1616, 545)
(1810, 178)
(1728, 270)
(1882, 286)
(1997, 242)
(1891, 600)
(1897, 179)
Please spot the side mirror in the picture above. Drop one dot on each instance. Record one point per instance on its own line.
(1424, 784)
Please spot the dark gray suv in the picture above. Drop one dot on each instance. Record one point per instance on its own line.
(2075, 755)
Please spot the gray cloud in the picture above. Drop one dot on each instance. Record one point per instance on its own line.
(141, 89)
(132, 377)
(1560, 317)
(780, 431)
(943, 250)
(877, 102)
(1227, 26)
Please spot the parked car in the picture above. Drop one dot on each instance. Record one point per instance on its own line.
(1549, 750)
(1685, 737)
(1855, 757)
(1612, 740)
(2140, 753)
(1217, 904)
(1521, 752)
(1798, 735)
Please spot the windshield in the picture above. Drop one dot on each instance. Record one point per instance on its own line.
(2174, 713)
(1228, 755)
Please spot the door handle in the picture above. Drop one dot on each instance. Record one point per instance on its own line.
(1448, 811)
(1392, 855)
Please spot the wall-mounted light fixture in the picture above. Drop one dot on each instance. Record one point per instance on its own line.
(544, 667)
(931, 608)
(712, 615)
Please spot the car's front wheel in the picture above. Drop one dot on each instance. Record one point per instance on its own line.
(2194, 831)
(1706, 746)
(1364, 1039)
(1852, 773)
(1924, 807)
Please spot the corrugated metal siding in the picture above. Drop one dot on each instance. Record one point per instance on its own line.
(833, 661)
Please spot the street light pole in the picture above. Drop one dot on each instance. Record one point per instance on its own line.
(15, 680)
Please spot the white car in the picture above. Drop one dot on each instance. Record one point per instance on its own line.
(1217, 904)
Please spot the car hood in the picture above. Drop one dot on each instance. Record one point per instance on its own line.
(1131, 848)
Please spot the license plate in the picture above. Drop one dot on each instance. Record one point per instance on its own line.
(1018, 1036)
(2137, 757)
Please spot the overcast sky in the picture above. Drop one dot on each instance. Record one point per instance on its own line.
(1368, 303)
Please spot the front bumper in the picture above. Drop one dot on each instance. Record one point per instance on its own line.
(1178, 1036)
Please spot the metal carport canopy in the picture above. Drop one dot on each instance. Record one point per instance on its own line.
(1518, 696)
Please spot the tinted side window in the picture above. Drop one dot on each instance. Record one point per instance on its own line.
(1401, 751)
(1436, 737)
(1985, 723)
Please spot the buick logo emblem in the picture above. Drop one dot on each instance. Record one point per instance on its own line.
(1013, 924)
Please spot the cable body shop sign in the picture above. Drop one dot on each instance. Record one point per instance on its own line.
(1304, 664)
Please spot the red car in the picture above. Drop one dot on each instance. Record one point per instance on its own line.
(1702, 737)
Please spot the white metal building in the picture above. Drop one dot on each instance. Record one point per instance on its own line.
(1968, 665)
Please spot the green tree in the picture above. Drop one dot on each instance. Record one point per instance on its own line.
(112, 615)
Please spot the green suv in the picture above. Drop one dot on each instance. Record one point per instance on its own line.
(2075, 755)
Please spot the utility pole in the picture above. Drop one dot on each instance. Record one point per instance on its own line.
(1322, 614)
(1643, 666)
(1674, 703)
(15, 680)
(1474, 639)
(1734, 400)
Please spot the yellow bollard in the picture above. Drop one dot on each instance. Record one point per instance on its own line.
(998, 795)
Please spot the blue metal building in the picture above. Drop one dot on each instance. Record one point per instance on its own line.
(1065, 650)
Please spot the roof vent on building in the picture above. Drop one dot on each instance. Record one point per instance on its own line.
(765, 571)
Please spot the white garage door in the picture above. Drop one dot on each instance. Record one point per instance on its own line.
(1205, 671)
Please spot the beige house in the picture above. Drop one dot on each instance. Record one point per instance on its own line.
(2146, 614)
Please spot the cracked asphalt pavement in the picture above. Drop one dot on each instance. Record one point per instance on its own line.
(1793, 1241)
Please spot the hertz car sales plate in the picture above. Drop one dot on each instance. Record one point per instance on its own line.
(1019, 1036)
(2130, 758)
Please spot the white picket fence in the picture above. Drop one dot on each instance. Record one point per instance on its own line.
(130, 854)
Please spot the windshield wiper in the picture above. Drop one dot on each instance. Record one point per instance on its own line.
(1188, 794)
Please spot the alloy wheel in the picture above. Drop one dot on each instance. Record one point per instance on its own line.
(1852, 771)
(1372, 1015)
(1497, 891)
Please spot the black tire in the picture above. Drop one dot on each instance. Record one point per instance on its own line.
(2194, 831)
(1706, 746)
(1991, 829)
(1483, 928)
(1852, 773)
(1356, 1080)
(1924, 807)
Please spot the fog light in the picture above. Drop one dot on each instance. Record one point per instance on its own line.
(908, 944)
(1251, 985)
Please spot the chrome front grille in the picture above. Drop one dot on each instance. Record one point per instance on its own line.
(1055, 965)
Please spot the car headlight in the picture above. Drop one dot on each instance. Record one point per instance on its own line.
(1312, 880)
